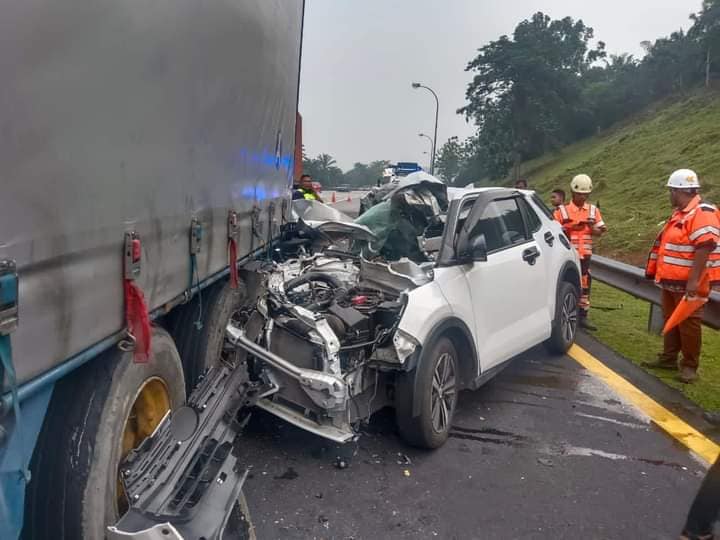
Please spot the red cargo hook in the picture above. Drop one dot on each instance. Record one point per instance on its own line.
(233, 227)
(137, 317)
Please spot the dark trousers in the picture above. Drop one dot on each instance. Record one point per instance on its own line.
(585, 284)
(705, 509)
(686, 337)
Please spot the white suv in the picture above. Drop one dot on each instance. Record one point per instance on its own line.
(337, 334)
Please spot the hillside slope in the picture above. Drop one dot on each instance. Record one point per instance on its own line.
(630, 165)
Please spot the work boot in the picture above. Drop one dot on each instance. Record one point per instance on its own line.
(585, 324)
(661, 362)
(687, 375)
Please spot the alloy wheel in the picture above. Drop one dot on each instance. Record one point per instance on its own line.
(444, 393)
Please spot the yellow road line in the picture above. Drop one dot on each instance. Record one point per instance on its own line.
(674, 426)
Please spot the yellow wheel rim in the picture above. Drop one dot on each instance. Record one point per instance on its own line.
(151, 404)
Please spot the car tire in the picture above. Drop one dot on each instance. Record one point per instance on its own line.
(417, 393)
(202, 347)
(565, 322)
(74, 493)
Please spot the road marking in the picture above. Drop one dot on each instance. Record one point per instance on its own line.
(674, 426)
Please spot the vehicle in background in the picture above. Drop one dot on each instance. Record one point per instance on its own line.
(416, 300)
(147, 152)
(403, 168)
(343, 188)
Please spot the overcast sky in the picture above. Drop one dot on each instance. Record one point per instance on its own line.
(360, 56)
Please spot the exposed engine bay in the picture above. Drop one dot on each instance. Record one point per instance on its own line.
(330, 306)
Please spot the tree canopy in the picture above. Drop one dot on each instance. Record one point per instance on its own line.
(324, 170)
(546, 86)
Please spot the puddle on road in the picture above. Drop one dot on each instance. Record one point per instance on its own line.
(544, 381)
(289, 474)
(488, 435)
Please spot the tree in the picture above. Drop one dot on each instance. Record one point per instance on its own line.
(323, 169)
(706, 30)
(365, 174)
(525, 89)
(449, 160)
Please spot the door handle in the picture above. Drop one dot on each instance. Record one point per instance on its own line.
(549, 238)
(530, 255)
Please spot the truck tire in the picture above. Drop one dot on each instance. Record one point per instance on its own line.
(202, 347)
(95, 416)
(564, 326)
(430, 428)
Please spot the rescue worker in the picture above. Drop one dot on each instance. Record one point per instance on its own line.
(684, 252)
(305, 189)
(521, 183)
(557, 197)
(705, 509)
(581, 221)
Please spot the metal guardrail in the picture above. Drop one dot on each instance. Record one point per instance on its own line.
(631, 280)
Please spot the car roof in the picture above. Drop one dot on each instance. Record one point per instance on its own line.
(474, 190)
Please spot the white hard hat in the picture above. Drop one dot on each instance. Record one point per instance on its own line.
(582, 183)
(683, 179)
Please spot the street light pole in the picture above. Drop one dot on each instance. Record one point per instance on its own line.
(417, 85)
(432, 149)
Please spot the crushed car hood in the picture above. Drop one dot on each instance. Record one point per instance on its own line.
(413, 180)
(327, 219)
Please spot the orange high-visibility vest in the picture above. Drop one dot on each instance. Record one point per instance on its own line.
(578, 223)
(672, 255)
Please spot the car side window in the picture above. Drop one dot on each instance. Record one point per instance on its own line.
(463, 214)
(502, 224)
(542, 206)
(531, 218)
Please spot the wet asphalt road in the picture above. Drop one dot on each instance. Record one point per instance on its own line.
(545, 450)
(350, 207)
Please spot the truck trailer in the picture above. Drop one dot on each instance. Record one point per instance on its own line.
(147, 150)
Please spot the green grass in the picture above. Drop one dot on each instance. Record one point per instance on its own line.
(630, 164)
(622, 326)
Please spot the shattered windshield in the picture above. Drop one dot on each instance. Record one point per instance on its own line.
(397, 224)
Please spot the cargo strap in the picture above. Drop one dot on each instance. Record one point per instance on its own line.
(195, 241)
(137, 317)
(233, 228)
(271, 222)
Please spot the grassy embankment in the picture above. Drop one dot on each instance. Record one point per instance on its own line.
(629, 166)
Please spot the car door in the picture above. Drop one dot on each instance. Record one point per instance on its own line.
(554, 245)
(508, 288)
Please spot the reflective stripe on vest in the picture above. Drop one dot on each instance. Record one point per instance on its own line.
(593, 212)
(677, 262)
(704, 230)
(688, 262)
(564, 213)
(681, 248)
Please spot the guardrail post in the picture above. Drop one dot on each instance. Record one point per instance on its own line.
(656, 321)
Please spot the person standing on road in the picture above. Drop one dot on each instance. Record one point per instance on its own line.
(581, 221)
(705, 509)
(683, 261)
(305, 190)
(557, 197)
